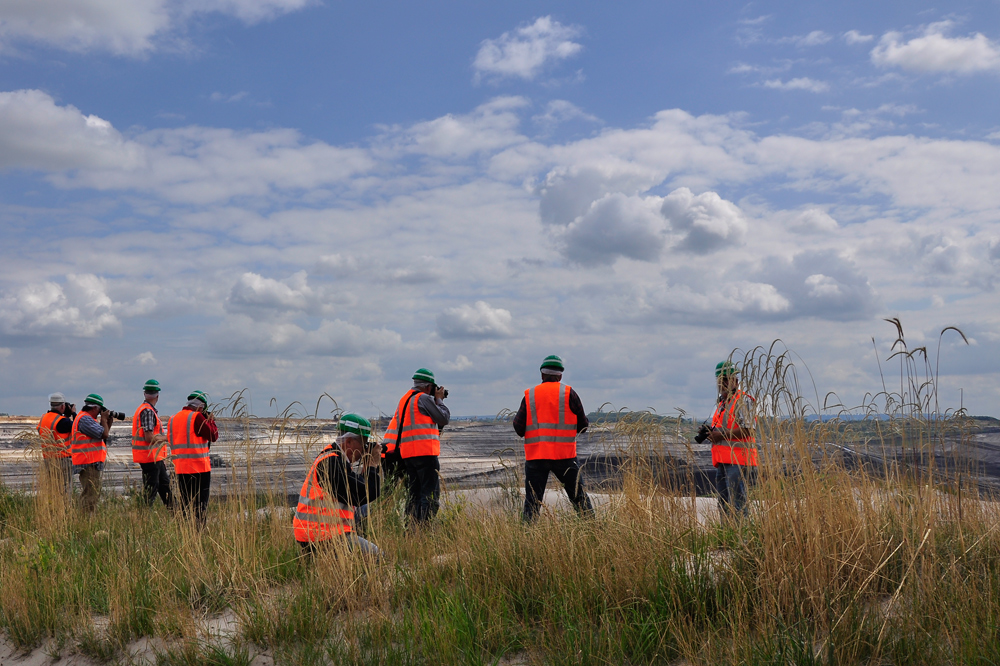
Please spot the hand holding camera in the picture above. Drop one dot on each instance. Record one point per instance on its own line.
(440, 392)
(703, 433)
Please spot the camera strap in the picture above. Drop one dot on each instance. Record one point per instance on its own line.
(399, 422)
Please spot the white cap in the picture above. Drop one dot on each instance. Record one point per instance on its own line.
(57, 399)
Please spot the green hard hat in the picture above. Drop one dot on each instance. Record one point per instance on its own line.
(424, 375)
(355, 424)
(151, 386)
(553, 362)
(94, 399)
(724, 369)
(200, 395)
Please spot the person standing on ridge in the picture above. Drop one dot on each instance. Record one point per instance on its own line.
(89, 448)
(549, 418)
(149, 447)
(191, 432)
(416, 427)
(734, 447)
(332, 490)
(55, 428)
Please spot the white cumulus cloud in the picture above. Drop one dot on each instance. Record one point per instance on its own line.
(800, 83)
(36, 133)
(491, 126)
(705, 222)
(254, 293)
(80, 307)
(129, 28)
(527, 50)
(854, 37)
(145, 358)
(935, 51)
(190, 164)
(617, 225)
(479, 321)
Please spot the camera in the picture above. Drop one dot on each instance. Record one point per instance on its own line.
(703, 432)
(436, 387)
(115, 416)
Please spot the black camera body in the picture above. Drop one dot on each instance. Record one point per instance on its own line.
(703, 433)
(436, 387)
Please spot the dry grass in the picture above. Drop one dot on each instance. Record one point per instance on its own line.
(832, 566)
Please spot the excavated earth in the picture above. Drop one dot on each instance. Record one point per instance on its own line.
(275, 455)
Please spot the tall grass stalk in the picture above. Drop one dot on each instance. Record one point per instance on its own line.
(836, 563)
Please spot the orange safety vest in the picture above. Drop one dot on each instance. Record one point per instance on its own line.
(318, 518)
(54, 444)
(727, 452)
(86, 450)
(190, 452)
(143, 451)
(421, 436)
(550, 433)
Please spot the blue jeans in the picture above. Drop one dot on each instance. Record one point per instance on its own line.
(731, 484)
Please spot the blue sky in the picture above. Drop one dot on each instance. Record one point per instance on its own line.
(303, 197)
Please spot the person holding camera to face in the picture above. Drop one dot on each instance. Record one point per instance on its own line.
(191, 432)
(549, 418)
(89, 447)
(416, 429)
(55, 428)
(331, 491)
(150, 448)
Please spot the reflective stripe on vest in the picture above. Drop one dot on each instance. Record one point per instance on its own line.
(421, 436)
(143, 451)
(86, 449)
(726, 452)
(54, 444)
(550, 432)
(318, 518)
(189, 451)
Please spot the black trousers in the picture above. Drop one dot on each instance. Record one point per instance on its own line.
(536, 476)
(194, 489)
(423, 487)
(156, 481)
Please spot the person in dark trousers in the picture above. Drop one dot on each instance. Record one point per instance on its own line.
(55, 429)
(416, 426)
(150, 447)
(549, 418)
(333, 491)
(191, 432)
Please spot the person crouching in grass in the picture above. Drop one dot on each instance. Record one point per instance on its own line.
(325, 511)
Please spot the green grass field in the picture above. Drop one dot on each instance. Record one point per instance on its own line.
(832, 566)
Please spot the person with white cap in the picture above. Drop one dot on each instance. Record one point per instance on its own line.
(150, 447)
(55, 428)
(549, 418)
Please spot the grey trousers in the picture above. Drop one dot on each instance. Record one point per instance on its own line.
(355, 544)
(90, 482)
